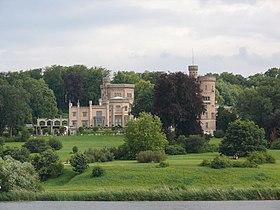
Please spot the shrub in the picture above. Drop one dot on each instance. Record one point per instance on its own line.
(260, 158)
(102, 155)
(17, 176)
(79, 162)
(220, 162)
(21, 155)
(121, 152)
(47, 164)
(195, 143)
(275, 144)
(46, 131)
(206, 162)
(219, 134)
(36, 145)
(163, 164)
(150, 156)
(54, 143)
(75, 149)
(175, 150)
(23, 135)
(97, 171)
(210, 148)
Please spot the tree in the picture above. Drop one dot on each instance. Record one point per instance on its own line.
(21, 154)
(225, 117)
(36, 145)
(144, 97)
(17, 176)
(47, 164)
(79, 162)
(272, 127)
(55, 143)
(126, 77)
(178, 103)
(14, 108)
(195, 143)
(243, 137)
(144, 133)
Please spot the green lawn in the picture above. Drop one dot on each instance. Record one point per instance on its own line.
(184, 172)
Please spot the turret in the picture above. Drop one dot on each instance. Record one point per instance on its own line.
(193, 71)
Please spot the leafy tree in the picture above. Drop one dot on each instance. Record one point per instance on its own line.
(178, 103)
(73, 84)
(272, 127)
(273, 72)
(144, 97)
(75, 149)
(126, 77)
(47, 164)
(17, 176)
(243, 137)
(144, 133)
(55, 143)
(36, 145)
(21, 154)
(195, 143)
(14, 108)
(79, 162)
(225, 117)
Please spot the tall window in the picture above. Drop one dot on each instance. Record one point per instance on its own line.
(129, 95)
(85, 123)
(84, 114)
(74, 122)
(206, 125)
(213, 115)
(206, 115)
(118, 108)
(74, 114)
(98, 113)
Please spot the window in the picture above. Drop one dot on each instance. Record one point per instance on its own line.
(98, 113)
(213, 115)
(206, 98)
(206, 125)
(117, 94)
(125, 108)
(205, 87)
(74, 122)
(118, 120)
(84, 114)
(129, 95)
(74, 114)
(206, 115)
(85, 123)
(213, 90)
(118, 108)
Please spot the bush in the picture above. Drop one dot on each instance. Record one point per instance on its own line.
(195, 144)
(150, 156)
(36, 145)
(219, 134)
(97, 171)
(17, 176)
(275, 144)
(206, 162)
(79, 162)
(243, 137)
(210, 148)
(75, 149)
(23, 135)
(175, 150)
(21, 155)
(122, 153)
(163, 164)
(54, 143)
(260, 158)
(46, 131)
(47, 164)
(220, 162)
(2, 141)
(96, 155)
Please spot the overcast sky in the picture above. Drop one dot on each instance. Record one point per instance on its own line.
(239, 36)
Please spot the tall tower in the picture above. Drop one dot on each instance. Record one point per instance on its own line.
(193, 71)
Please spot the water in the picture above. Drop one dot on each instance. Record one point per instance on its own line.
(176, 205)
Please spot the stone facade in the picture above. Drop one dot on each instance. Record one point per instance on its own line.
(207, 87)
(114, 107)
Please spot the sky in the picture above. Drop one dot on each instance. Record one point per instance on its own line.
(238, 36)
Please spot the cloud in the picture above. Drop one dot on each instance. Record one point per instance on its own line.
(238, 36)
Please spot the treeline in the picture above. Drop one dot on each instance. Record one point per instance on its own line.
(27, 95)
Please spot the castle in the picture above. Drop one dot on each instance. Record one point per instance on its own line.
(113, 110)
(117, 99)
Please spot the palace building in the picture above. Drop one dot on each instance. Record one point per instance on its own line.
(113, 109)
(117, 99)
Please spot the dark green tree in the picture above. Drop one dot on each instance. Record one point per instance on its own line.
(178, 103)
(79, 162)
(243, 137)
(47, 164)
(224, 117)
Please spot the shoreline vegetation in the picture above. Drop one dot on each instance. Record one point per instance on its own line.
(164, 194)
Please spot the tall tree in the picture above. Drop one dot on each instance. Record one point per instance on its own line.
(178, 102)
(126, 77)
(144, 97)
(73, 84)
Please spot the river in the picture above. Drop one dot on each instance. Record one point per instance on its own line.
(176, 205)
